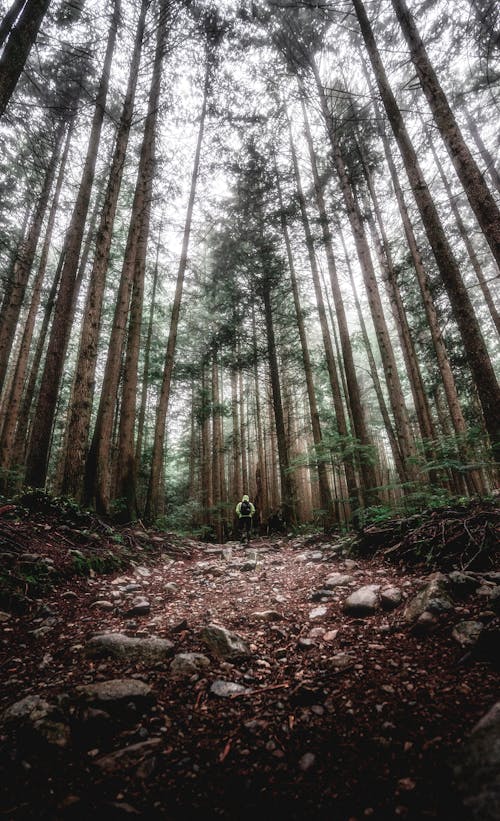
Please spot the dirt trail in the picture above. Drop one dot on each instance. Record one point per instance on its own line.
(337, 716)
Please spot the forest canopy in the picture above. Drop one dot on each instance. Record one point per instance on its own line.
(249, 247)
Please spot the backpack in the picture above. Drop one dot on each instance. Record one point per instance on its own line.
(245, 508)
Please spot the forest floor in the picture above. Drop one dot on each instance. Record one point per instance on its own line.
(316, 711)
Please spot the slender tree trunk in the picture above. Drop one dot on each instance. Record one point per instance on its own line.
(488, 159)
(21, 269)
(478, 193)
(216, 449)
(18, 42)
(391, 435)
(84, 383)
(15, 397)
(358, 417)
(287, 485)
(477, 354)
(353, 489)
(206, 453)
(403, 429)
(262, 495)
(8, 21)
(145, 371)
(162, 408)
(464, 234)
(38, 452)
(236, 481)
(324, 489)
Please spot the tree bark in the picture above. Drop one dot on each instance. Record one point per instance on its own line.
(38, 451)
(84, 382)
(18, 42)
(478, 193)
(162, 407)
(475, 348)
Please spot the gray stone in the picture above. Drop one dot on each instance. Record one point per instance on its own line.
(267, 615)
(318, 612)
(425, 623)
(226, 689)
(337, 580)
(127, 757)
(102, 604)
(305, 644)
(477, 768)
(307, 761)
(390, 597)
(316, 556)
(119, 646)
(29, 708)
(4, 616)
(466, 633)
(224, 643)
(133, 587)
(143, 572)
(227, 554)
(171, 587)
(341, 661)
(248, 566)
(116, 693)
(139, 607)
(363, 602)
(187, 664)
(433, 598)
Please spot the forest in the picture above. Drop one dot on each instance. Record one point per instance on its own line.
(249, 247)
(249, 250)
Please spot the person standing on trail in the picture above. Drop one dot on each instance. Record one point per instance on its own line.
(245, 510)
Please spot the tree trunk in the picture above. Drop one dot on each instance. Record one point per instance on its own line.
(478, 193)
(325, 495)
(358, 416)
(38, 452)
(162, 407)
(18, 42)
(15, 397)
(464, 234)
(477, 354)
(488, 159)
(262, 496)
(21, 269)
(84, 382)
(287, 485)
(216, 450)
(352, 487)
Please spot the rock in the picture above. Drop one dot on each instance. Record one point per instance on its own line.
(251, 555)
(29, 708)
(226, 689)
(330, 635)
(466, 633)
(494, 600)
(143, 572)
(115, 694)
(171, 587)
(341, 660)
(103, 604)
(248, 566)
(227, 553)
(318, 612)
(337, 580)
(425, 623)
(119, 646)
(139, 607)
(4, 616)
(350, 564)
(127, 757)
(462, 584)
(187, 664)
(316, 556)
(267, 615)
(307, 761)
(487, 645)
(305, 644)
(390, 597)
(133, 587)
(363, 602)
(323, 595)
(477, 768)
(433, 598)
(224, 643)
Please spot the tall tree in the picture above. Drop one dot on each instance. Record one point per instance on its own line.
(38, 452)
(19, 34)
(477, 354)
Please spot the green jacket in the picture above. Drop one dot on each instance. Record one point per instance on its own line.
(238, 508)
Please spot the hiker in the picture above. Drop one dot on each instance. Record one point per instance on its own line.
(245, 510)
